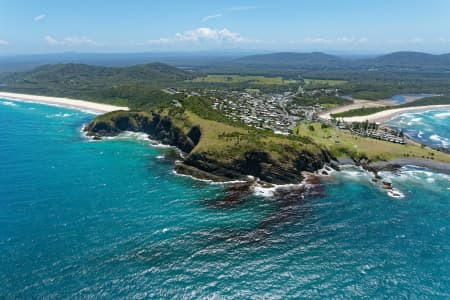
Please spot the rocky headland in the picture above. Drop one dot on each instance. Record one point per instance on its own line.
(212, 165)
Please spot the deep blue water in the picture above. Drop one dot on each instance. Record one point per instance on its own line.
(109, 219)
(431, 127)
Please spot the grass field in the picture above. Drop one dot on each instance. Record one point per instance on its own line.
(320, 83)
(237, 79)
(343, 143)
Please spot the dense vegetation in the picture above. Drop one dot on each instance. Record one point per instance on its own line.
(323, 100)
(365, 111)
(368, 78)
(135, 86)
(244, 82)
(405, 61)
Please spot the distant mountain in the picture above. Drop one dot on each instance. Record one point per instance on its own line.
(18, 63)
(321, 61)
(293, 60)
(409, 60)
(238, 62)
(86, 74)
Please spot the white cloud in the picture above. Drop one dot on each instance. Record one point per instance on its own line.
(70, 41)
(4, 43)
(241, 8)
(410, 41)
(207, 18)
(341, 40)
(51, 40)
(202, 34)
(442, 40)
(416, 40)
(310, 40)
(39, 18)
(351, 40)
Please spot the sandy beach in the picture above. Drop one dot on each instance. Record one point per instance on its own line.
(355, 105)
(94, 107)
(386, 115)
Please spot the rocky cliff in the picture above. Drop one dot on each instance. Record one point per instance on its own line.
(211, 165)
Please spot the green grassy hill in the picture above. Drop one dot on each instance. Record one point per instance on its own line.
(135, 86)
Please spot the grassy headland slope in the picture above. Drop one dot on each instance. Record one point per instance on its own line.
(216, 148)
(341, 143)
(219, 149)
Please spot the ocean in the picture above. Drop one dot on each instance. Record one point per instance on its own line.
(432, 127)
(109, 219)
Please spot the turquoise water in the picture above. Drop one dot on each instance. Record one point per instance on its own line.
(109, 219)
(431, 127)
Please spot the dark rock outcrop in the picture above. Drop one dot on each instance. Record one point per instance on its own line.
(157, 127)
(206, 165)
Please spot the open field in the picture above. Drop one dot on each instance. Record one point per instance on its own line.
(237, 79)
(320, 83)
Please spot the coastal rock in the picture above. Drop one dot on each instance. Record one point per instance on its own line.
(387, 185)
(211, 166)
(157, 127)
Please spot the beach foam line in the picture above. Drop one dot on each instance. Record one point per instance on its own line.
(8, 103)
(85, 106)
(386, 115)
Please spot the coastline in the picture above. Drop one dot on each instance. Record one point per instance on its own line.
(396, 163)
(386, 115)
(97, 108)
(380, 116)
(357, 103)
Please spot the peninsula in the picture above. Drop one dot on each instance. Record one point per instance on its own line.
(229, 127)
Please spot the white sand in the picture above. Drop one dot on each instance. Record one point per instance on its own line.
(64, 102)
(386, 115)
(355, 105)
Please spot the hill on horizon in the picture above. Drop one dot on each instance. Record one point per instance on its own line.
(239, 62)
(323, 61)
(134, 85)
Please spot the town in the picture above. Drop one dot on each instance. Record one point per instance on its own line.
(281, 114)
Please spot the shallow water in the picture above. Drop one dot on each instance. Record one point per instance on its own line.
(403, 98)
(109, 219)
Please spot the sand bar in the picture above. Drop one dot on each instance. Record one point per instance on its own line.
(94, 107)
(355, 105)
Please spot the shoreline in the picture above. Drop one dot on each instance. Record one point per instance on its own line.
(357, 103)
(386, 115)
(97, 108)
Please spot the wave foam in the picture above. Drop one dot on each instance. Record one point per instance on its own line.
(442, 115)
(439, 139)
(417, 175)
(59, 115)
(395, 193)
(8, 103)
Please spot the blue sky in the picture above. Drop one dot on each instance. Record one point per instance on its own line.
(353, 26)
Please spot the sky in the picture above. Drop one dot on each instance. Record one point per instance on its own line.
(347, 26)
